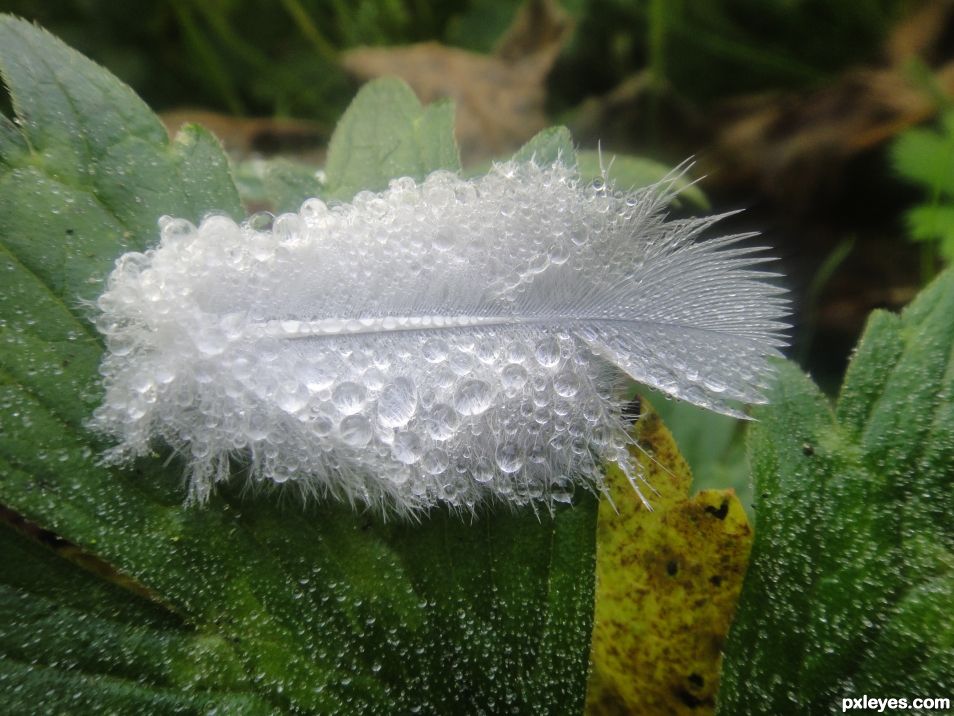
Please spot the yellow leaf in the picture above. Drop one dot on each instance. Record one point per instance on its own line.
(667, 585)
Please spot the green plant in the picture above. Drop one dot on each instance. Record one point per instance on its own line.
(851, 578)
(925, 158)
(709, 49)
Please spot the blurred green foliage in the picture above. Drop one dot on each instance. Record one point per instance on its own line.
(716, 48)
(279, 58)
(925, 158)
(237, 56)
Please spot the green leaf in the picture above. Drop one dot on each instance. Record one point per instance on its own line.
(932, 222)
(69, 636)
(11, 141)
(278, 185)
(926, 156)
(100, 170)
(635, 172)
(306, 609)
(547, 147)
(385, 134)
(288, 184)
(852, 573)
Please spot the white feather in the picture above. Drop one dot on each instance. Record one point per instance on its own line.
(454, 340)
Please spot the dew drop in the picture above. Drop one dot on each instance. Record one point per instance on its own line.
(321, 426)
(316, 378)
(434, 461)
(211, 342)
(434, 350)
(514, 376)
(444, 240)
(348, 398)
(407, 447)
(142, 383)
(547, 352)
(288, 227)
(165, 374)
(397, 403)
(509, 457)
(559, 253)
(292, 398)
(374, 379)
(398, 476)
(486, 353)
(442, 422)
(216, 227)
(473, 397)
(260, 221)
(313, 210)
(174, 231)
(355, 431)
(257, 427)
(517, 352)
(483, 471)
(461, 363)
(566, 384)
(561, 489)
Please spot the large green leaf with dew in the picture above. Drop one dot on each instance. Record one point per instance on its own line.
(69, 636)
(851, 583)
(314, 609)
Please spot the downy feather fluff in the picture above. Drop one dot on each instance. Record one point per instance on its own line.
(445, 341)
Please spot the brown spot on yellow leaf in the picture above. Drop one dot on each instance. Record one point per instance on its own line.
(667, 585)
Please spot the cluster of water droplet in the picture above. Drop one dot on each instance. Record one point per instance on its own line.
(442, 341)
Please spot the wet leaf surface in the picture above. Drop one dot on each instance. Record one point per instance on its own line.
(852, 573)
(67, 636)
